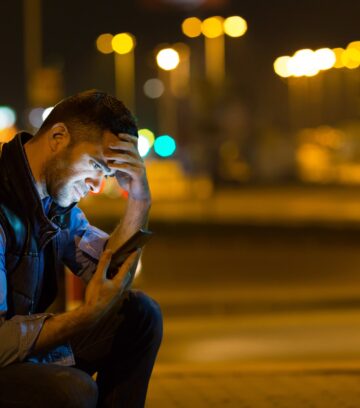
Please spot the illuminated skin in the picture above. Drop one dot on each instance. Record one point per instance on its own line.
(68, 173)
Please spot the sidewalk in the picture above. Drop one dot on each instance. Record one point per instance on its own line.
(255, 388)
(279, 205)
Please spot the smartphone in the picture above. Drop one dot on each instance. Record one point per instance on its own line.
(138, 240)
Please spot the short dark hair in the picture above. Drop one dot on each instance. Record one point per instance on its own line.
(88, 110)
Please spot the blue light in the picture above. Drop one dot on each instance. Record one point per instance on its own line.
(164, 146)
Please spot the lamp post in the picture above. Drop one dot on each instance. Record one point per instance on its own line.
(167, 60)
(214, 30)
(122, 45)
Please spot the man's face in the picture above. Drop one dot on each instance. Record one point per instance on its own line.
(76, 170)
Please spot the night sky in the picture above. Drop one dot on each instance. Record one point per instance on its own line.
(71, 27)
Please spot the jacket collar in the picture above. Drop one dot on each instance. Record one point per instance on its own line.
(23, 185)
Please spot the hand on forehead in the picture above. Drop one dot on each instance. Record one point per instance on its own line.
(117, 142)
(120, 149)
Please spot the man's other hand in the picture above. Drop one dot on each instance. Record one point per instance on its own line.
(123, 157)
(103, 293)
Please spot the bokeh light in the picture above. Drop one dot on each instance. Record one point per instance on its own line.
(351, 58)
(168, 59)
(154, 88)
(338, 55)
(281, 66)
(7, 117)
(235, 26)
(46, 112)
(7, 134)
(123, 43)
(354, 44)
(103, 43)
(303, 63)
(324, 58)
(213, 27)
(191, 27)
(35, 117)
(143, 145)
(164, 146)
(148, 134)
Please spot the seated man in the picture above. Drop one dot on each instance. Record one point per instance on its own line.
(47, 360)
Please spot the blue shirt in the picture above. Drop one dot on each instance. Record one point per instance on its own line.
(18, 334)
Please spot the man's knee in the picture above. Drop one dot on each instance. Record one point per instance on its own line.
(75, 389)
(46, 385)
(148, 314)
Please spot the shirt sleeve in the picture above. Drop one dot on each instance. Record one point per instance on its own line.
(84, 246)
(18, 334)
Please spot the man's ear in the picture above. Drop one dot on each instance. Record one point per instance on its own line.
(58, 137)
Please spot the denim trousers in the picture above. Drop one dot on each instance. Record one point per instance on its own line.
(121, 349)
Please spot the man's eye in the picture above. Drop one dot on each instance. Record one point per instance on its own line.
(96, 166)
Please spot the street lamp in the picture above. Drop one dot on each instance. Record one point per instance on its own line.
(167, 60)
(122, 45)
(214, 29)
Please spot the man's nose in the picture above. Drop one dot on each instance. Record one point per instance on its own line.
(94, 184)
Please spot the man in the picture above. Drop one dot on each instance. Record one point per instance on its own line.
(47, 360)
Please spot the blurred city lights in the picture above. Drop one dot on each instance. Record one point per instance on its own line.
(303, 63)
(338, 55)
(46, 112)
(213, 27)
(191, 27)
(168, 59)
(148, 134)
(123, 43)
(281, 66)
(143, 145)
(354, 44)
(164, 146)
(103, 43)
(154, 88)
(324, 58)
(36, 117)
(235, 26)
(7, 117)
(351, 58)
(309, 63)
(7, 134)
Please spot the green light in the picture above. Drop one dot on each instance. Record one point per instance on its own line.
(164, 146)
(148, 134)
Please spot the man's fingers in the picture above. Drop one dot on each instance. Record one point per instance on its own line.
(103, 265)
(125, 267)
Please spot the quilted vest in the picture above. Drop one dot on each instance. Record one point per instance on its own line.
(33, 240)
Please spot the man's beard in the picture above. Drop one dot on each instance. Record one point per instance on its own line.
(56, 172)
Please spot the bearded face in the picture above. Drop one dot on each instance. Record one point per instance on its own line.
(70, 174)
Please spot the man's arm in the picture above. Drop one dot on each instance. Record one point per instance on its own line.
(130, 172)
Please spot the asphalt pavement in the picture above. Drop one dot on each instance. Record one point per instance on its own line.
(260, 292)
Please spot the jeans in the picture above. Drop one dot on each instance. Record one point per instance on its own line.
(121, 348)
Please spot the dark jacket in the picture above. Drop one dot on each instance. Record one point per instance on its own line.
(33, 240)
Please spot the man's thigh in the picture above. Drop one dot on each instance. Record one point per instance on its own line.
(46, 385)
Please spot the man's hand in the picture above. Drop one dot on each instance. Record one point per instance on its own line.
(123, 157)
(102, 293)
